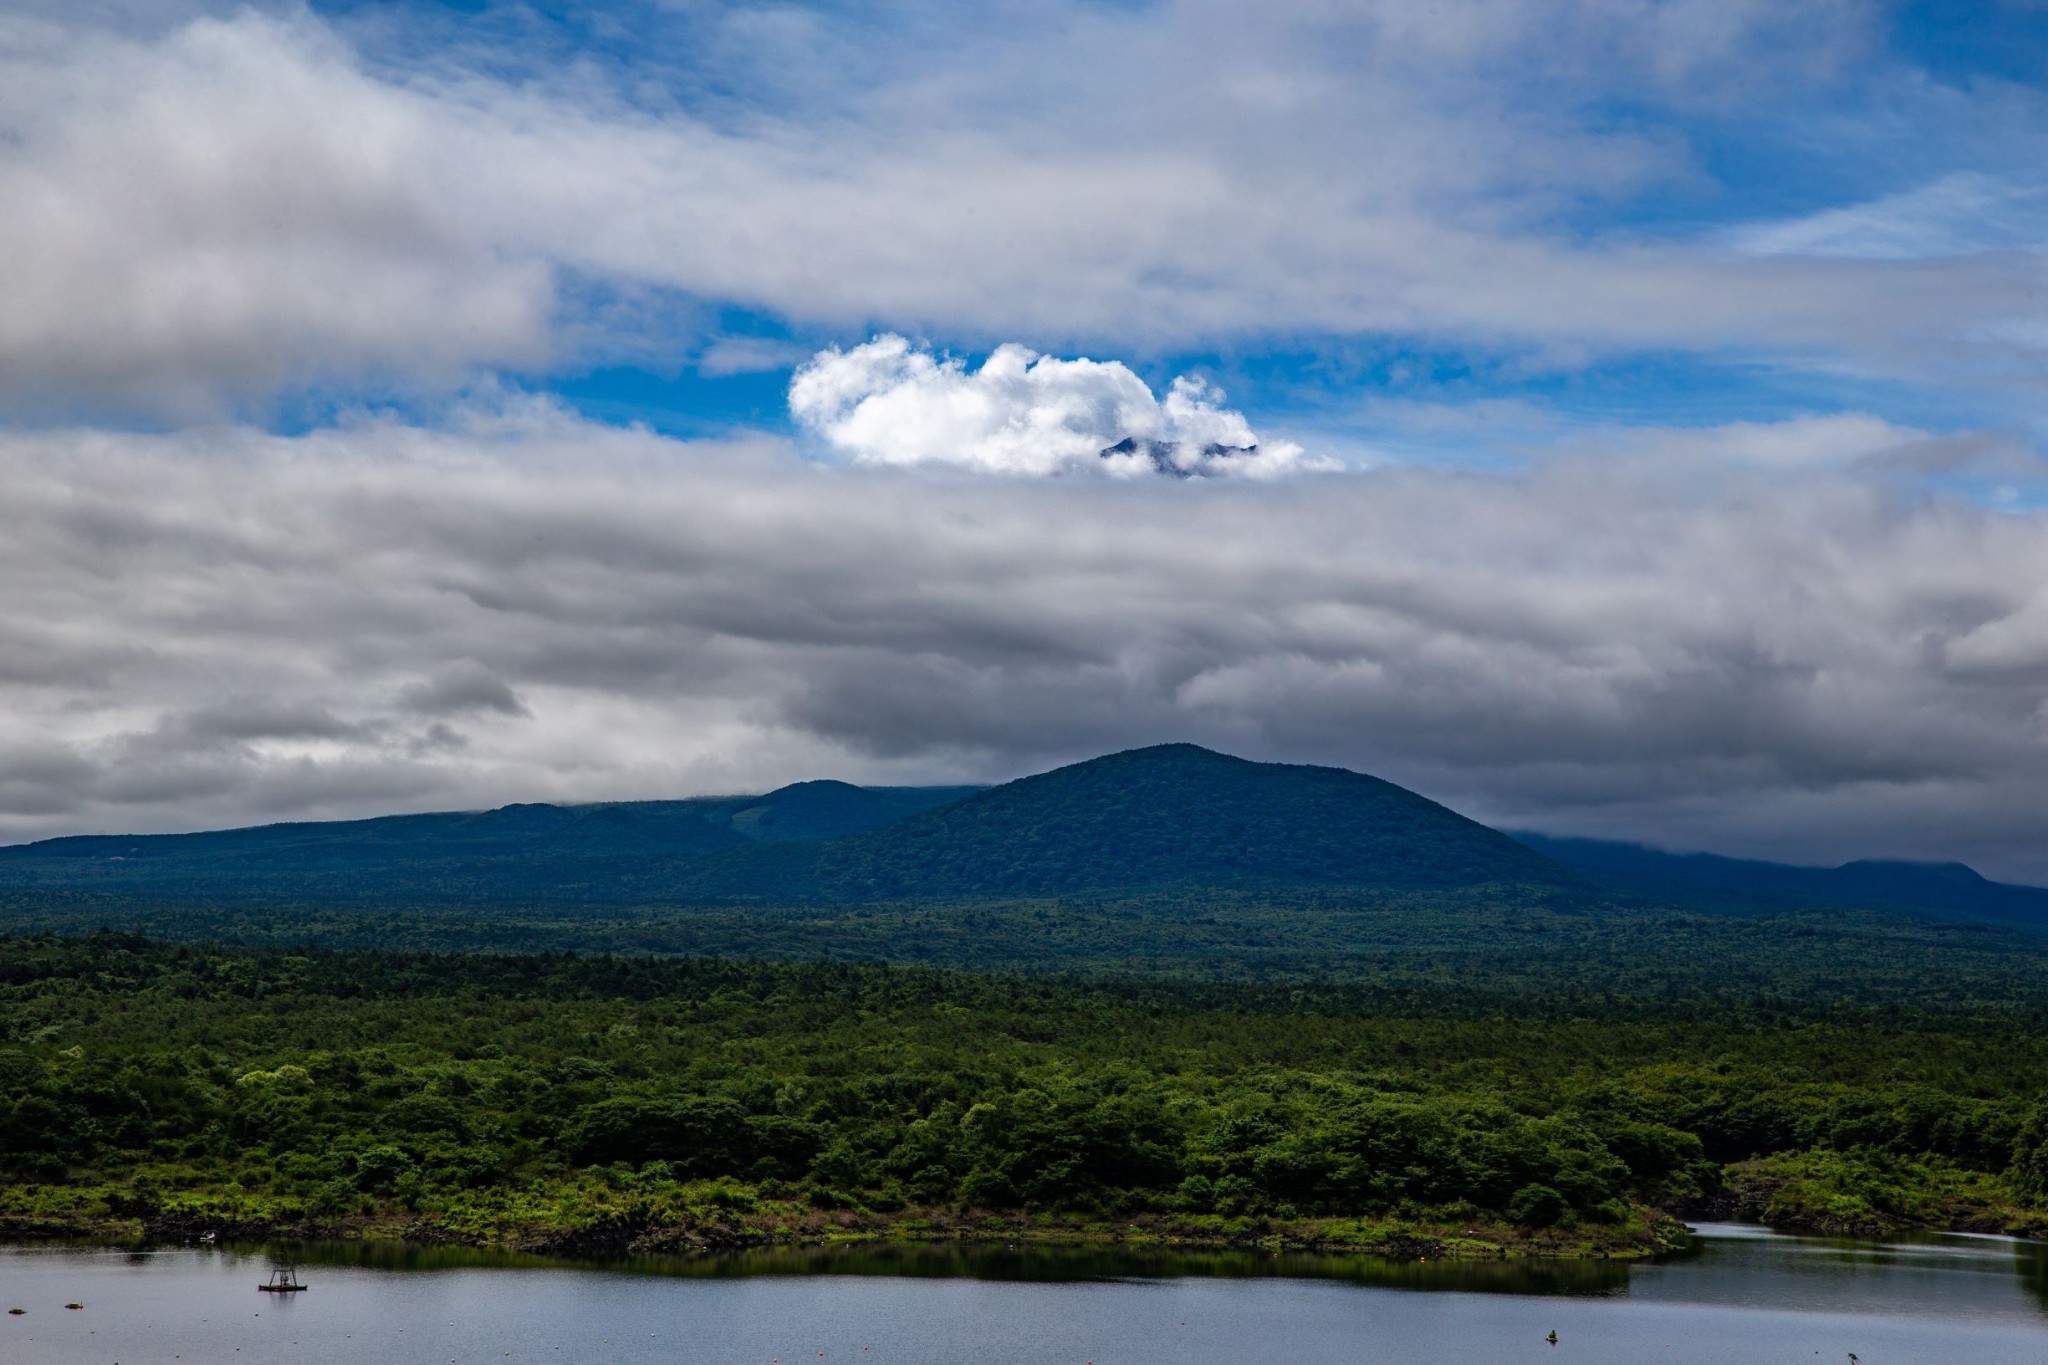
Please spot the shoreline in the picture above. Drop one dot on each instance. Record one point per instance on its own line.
(712, 1236)
(628, 1235)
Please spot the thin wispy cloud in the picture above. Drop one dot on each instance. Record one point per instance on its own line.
(1957, 215)
(199, 217)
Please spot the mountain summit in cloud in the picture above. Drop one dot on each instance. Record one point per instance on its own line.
(889, 402)
(1181, 459)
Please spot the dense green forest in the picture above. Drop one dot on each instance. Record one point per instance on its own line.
(1481, 939)
(1165, 995)
(590, 1103)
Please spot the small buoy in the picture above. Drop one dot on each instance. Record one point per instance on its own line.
(1552, 1338)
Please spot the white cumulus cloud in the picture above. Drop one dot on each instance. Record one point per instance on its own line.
(889, 402)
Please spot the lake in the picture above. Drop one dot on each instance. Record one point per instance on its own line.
(1740, 1295)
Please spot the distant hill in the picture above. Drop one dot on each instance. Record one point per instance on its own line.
(1170, 815)
(1180, 829)
(511, 831)
(1706, 881)
(516, 852)
(811, 811)
(1171, 858)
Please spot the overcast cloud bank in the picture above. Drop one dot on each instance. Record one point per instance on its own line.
(1643, 639)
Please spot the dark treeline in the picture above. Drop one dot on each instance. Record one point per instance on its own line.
(138, 1076)
(1444, 949)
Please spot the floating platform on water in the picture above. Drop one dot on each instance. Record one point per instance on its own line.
(282, 1282)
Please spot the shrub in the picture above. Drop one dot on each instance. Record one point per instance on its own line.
(1536, 1206)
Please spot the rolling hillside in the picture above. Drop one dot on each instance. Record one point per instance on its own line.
(520, 852)
(1706, 881)
(1171, 857)
(1169, 816)
(818, 810)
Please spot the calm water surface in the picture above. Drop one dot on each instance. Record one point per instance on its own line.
(1743, 1296)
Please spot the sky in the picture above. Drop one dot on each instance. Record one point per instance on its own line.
(1619, 418)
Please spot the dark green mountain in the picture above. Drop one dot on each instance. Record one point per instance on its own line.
(1170, 858)
(820, 810)
(1169, 822)
(1706, 881)
(1169, 816)
(395, 840)
(521, 852)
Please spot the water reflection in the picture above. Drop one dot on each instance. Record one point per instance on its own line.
(1940, 1274)
(1728, 1264)
(2031, 1260)
(1738, 1297)
(1723, 1263)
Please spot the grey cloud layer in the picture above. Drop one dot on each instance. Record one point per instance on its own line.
(200, 216)
(1675, 639)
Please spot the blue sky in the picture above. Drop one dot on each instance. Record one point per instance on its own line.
(1615, 417)
(1903, 99)
(1752, 211)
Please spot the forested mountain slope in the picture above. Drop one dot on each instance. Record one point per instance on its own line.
(520, 852)
(1172, 815)
(1705, 881)
(1171, 858)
